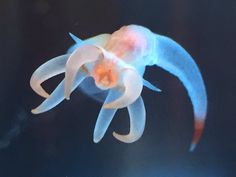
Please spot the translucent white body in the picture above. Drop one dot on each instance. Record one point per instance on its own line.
(116, 63)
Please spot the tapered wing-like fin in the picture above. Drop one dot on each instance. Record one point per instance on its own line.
(174, 59)
(137, 116)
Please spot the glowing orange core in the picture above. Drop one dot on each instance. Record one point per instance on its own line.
(105, 74)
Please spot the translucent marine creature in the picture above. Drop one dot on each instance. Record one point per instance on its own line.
(110, 69)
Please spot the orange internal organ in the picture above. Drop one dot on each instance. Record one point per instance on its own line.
(127, 41)
(105, 74)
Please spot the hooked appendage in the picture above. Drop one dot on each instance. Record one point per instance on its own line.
(110, 68)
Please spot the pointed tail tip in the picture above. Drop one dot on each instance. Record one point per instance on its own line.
(192, 147)
(198, 129)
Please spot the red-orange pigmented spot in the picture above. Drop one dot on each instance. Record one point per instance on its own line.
(84, 69)
(105, 74)
(127, 41)
(198, 131)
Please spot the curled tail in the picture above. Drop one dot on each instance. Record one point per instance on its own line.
(176, 60)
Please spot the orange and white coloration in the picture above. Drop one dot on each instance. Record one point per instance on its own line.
(116, 62)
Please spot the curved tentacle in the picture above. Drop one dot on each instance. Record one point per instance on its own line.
(173, 58)
(137, 116)
(56, 65)
(57, 96)
(133, 84)
(105, 117)
(84, 54)
(47, 70)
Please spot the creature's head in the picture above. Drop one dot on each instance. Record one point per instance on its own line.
(131, 42)
(106, 74)
(110, 65)
(124, 46)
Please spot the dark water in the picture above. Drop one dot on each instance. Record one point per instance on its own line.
(59, 143)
